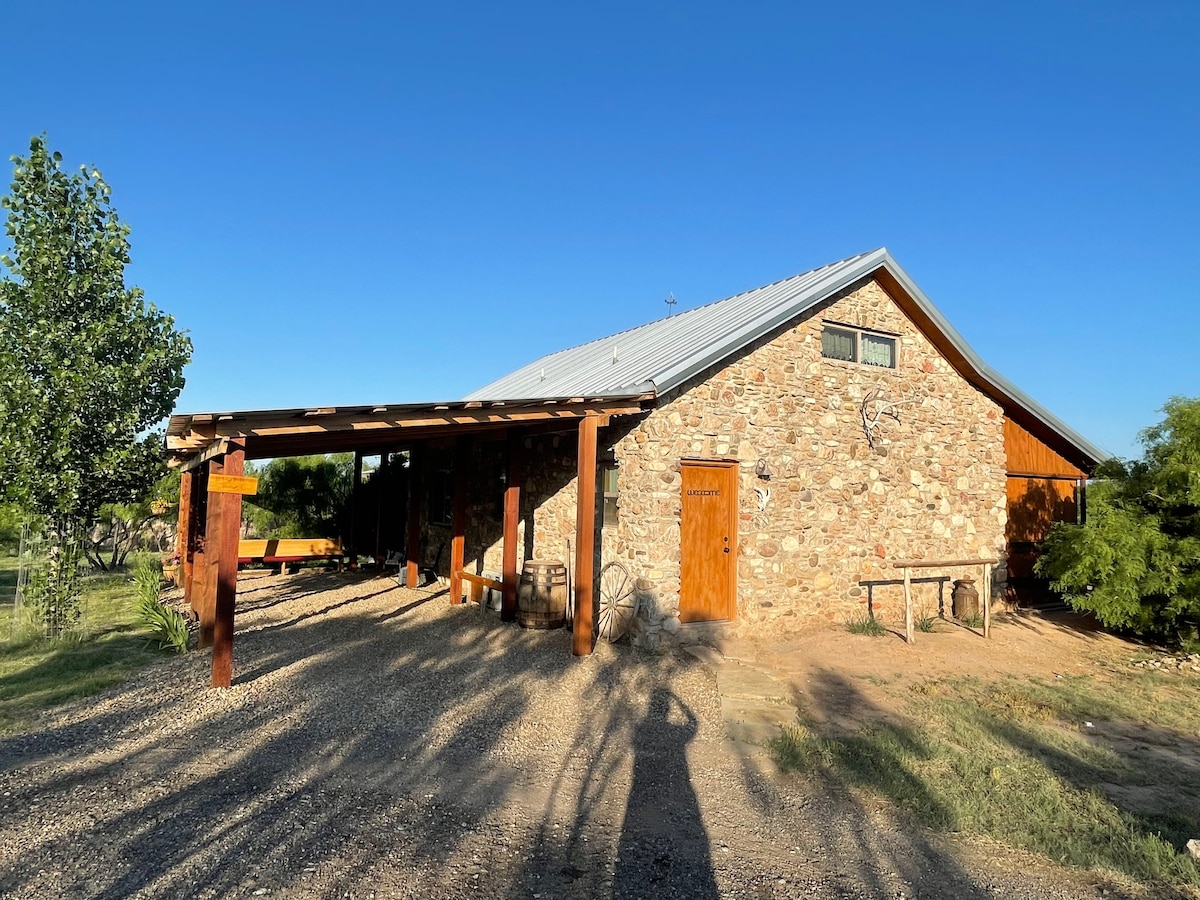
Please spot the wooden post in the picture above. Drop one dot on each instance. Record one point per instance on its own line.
(354, 494)
(908, 606)
(194, 566)
(987, 600)
(462, 465)
(512, 516)
(585, 537)
(225, 543)
(416, 477)
(205, 602)
(183, 528)
(382, 477)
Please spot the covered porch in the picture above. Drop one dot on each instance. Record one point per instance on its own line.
(212, 447)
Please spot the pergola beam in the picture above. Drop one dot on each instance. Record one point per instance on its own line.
(512, 516)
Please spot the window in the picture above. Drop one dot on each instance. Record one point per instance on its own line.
(858, 346)
(610, 493)
(441, 497)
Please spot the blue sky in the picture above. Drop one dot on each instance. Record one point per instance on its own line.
(363, 203)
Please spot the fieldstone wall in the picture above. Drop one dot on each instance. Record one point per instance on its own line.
(819, 536)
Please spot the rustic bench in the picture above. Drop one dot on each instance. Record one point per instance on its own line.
(282, 551)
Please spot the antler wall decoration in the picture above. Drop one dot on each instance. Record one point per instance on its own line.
(875, 406)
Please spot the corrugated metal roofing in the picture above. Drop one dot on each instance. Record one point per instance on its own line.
(661, 355)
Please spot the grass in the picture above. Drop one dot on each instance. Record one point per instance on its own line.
(1007, 758)
(866, 624)
(37, 674)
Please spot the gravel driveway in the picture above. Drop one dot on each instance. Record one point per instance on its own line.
(380, 743)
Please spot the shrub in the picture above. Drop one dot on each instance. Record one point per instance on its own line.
(866, 624)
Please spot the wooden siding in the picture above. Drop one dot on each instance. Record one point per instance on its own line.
(1029, 456)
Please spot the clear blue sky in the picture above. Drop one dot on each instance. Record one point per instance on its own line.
(360, 203)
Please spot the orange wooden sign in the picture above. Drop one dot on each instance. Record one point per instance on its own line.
(233, 484)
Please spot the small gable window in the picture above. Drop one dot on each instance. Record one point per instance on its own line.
(858, 346)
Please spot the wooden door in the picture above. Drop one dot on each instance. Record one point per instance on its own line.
(708, 541)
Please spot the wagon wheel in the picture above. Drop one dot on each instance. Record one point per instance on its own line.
(618, 602)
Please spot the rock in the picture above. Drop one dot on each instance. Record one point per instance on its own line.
(1193, 847)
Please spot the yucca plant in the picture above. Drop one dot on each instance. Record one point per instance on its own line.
(168, 627)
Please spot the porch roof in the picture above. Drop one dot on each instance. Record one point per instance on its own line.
(268, 433)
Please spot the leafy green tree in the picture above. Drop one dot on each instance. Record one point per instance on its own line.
(87, 367)
(1136, 562)
(304, 496)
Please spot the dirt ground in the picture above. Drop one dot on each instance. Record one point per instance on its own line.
(379, 743)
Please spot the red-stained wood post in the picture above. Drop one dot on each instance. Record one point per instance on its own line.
(416, 479)
(585, 537)
(458, 533)
(184, 528)
(512, 516)
(354, 494)
(194, 571)
(225, 544)
(205, 602)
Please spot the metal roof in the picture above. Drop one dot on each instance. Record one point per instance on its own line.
(661, 355)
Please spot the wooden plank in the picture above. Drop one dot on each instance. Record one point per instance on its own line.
(233, 484)
(206, 602)
(1034, 504)
(481, 581)
(416, 494)
(585, 537)
(908, 606)
(295, 548)
(226, 542)
(939, 563)
(512, 516)
(458, 521)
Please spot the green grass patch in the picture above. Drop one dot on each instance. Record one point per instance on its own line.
(1011, 759)
(866, 624)
(37, 674)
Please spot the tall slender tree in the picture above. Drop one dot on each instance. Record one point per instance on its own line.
(87, 366)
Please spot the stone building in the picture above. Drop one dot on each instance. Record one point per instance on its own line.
(761, 462)
(796, 439)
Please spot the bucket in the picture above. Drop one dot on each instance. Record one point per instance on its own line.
(542, 594)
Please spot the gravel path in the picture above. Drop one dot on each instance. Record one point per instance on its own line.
(379, 743)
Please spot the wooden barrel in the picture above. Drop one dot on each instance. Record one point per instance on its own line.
(542, 594)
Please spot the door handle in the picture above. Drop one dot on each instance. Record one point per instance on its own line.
(724, 549)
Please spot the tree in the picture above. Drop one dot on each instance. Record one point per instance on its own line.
(1136, 562)
(306, 496)
(87, 367)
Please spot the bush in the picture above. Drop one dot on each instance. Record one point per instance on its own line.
(866, 624)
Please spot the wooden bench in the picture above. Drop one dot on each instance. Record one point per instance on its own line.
(282, 551)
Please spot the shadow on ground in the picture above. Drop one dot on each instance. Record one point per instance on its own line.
(376, 738)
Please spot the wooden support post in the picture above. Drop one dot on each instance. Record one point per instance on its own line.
(183, 528)
(458, 521)
(987, 600)
(225, 543)
(193, 572)
(416, 479)
(512, 515)
(355, 491)
(908, 606)
(585, 537)
(205, 602)
(382, 477)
